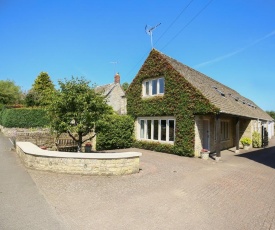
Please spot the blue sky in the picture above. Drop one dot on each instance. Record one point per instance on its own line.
(231, 41)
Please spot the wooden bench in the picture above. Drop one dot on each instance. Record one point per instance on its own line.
(66, 145)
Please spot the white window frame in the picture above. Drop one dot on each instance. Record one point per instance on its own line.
(152, 120)
(149, 92)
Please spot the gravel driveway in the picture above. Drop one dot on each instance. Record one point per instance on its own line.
(170, 192)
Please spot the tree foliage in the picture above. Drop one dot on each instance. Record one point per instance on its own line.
(10, 93)
(75, 109)
(125, 86)
(41, 91)
(114, 132)
(271, 113)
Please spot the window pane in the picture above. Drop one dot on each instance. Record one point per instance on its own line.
(149, 129)
(171, 130)
(163, 130)
(156, 129)
(141, 128)
(154, 86)
(147, 88)
(161, 85)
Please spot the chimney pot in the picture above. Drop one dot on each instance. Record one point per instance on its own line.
(117, 78)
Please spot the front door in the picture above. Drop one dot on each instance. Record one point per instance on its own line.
(206, 135)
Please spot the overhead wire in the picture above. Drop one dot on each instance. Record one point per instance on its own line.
(172, 25)
(188, 23)
(174, 21)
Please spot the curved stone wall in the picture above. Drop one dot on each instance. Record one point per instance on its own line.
(78, 163)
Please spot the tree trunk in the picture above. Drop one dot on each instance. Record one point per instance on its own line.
(79, 142)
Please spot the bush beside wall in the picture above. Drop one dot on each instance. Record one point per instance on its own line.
(24, 118)
(114, 132)
(256, 140)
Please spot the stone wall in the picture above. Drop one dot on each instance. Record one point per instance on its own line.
(103, 164)
(39, 137)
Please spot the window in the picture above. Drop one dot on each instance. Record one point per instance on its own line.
(161, 85)
(147, 88)
(157, 129)
(153, 87)
(224, 131)
(149, 126)
(163, 130)
(171, 130)
(142, 129)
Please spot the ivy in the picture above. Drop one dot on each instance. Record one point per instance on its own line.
(180, 100)
(114, 132)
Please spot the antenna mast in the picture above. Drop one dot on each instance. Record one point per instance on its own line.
(150, 32)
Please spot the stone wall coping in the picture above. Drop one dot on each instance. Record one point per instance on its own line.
(32, 149)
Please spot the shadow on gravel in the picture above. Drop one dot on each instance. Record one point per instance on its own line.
(264, 156)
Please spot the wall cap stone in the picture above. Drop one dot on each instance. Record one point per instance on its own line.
(32, 149)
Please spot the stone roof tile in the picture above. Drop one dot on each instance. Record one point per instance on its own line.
(226, 99)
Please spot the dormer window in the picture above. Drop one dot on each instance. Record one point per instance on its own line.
(153, 87)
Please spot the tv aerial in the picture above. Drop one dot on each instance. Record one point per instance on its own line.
(149, 31)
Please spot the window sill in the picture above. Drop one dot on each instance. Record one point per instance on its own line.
(157, 141)
(152, 96)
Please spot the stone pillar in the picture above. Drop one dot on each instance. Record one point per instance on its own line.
(218, 137)
(237, 141)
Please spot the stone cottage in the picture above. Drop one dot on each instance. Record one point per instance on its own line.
(114, 94)
(182, 111)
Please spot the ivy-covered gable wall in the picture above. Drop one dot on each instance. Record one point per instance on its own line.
(180, 100)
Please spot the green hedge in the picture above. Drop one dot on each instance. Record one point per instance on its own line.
(24, 118)
(114, 132)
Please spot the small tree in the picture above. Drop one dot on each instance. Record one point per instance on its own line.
(10, 93)
(41, 90)
(75, 109)
(31, 98)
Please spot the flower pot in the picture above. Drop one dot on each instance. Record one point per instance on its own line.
(246, 147)
(205, 155)
(88, 149)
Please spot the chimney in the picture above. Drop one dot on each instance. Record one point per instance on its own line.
(117, 78)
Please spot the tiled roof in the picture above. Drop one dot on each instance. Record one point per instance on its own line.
(105, 89)
(226, 99)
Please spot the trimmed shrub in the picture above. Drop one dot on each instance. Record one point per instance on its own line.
(256, 140)
(114, 132)
(24, 118)
(160, 147)
(1, 112)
